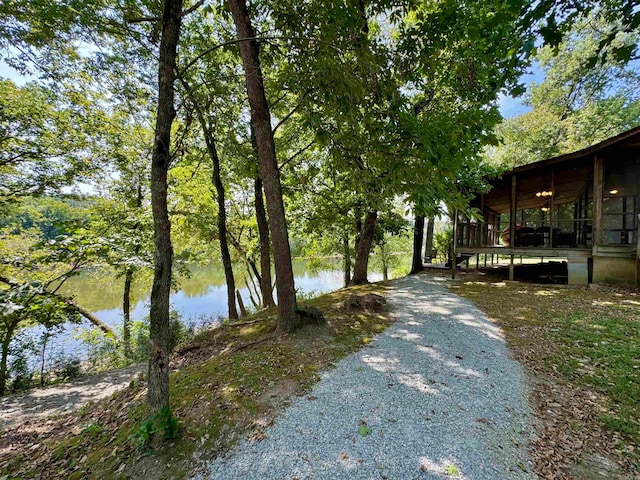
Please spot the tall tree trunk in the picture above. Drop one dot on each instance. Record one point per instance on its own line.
(265, 247)
(158, 378)
(6, 341)
(216, 179)
(384, 256)
(126, 311)
(418, 235)
(261, 123)
(364, 248)
(222, 227)
(243, 311)
(428, 244)
(347, 259)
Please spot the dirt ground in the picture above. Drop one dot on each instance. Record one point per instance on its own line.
(64, 397)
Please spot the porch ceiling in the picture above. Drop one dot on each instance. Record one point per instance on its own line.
(568, 182)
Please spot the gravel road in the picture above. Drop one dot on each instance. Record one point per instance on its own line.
(435, 396)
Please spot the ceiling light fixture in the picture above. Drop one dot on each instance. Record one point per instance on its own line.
(613, 192)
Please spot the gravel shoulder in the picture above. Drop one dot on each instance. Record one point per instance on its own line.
(435, 396)
(65, 397)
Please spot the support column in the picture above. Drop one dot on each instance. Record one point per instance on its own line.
(598, 187)
(511, 268)
(453, 244)
(512, 214)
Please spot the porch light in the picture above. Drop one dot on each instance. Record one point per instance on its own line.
(613, 192)
(544, 193)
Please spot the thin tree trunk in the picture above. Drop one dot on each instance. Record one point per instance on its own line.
(43, 357)
(364, 248)
(216, 179)
(428, 244)
(89, 315)
(384, 256)
(347, 259)
(158, 378)
(6, 341)
(243, 311)
(265, 247)
(261, 123)
(255, 304)
(249, 261)
(418, 235)
(126, 311)
(222, 229)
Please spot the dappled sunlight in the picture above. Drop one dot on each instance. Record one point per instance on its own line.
(381, 364)
(602, 303)
(547, 293)
(629, 303)
(407, 335)
(491, 331)
(445, 467)
(438, 357)
(415, 381)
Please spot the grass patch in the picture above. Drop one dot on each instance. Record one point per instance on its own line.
(583, 347)
(227, 384)
(603, 352)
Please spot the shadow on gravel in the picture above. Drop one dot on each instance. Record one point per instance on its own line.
(434, 396)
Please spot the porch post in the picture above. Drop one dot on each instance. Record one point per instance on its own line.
(598, 187)
(553, 194)
(453, 244)
(638, 253)
(511, 268)
(513, 213)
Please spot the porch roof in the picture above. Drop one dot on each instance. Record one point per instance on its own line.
(568, 173)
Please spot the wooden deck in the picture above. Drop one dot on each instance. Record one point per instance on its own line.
(529, 251)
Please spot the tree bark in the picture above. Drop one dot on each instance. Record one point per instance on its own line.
(216, 179)
(261, 124)
(222, 227)
(243, 311)
(126, 312)
(428, 244)
(158, 378)
(347, 259)
(418, 235)
(364, 248)
(88, 314)
(6, 341)
(265, 247)
(384, 256)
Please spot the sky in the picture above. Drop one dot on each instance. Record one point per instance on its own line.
(509, 106)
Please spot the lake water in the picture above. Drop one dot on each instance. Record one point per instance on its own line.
(200, 295)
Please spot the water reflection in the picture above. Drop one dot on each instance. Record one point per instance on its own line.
(201, 294)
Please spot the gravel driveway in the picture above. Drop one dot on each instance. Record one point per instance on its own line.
(435, 396)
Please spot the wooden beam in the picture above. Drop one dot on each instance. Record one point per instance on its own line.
(553, 194)
(511, 268)
(598, 189)
(638, 253)
(513, 212)
(453, 244)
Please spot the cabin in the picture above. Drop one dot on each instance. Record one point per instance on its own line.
(581, 207)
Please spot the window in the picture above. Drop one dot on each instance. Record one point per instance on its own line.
(620, 202)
